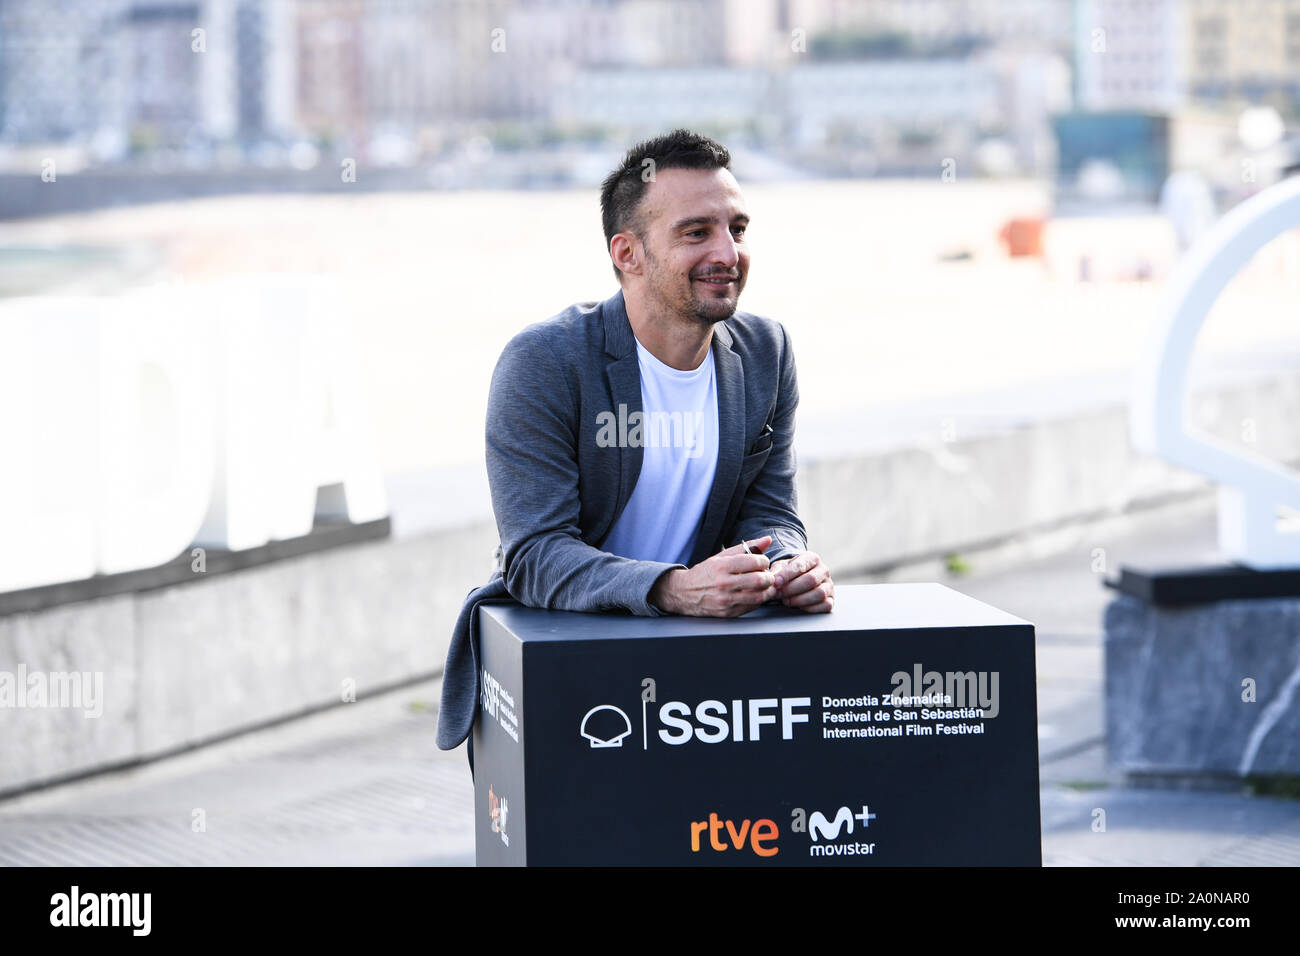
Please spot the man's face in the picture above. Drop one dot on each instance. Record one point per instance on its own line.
(697, 258)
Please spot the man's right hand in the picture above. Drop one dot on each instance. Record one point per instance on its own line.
(728, 584)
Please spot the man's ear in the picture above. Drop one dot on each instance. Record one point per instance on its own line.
(625, 251)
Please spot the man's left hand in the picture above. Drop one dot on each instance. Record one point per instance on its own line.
(802, 581)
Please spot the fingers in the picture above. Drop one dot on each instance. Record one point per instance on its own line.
(804, 582)
(755, 546)
(801, 573)
(821, 597)
(743, 565)
(790, 569)
(737, 580)
(745, 601)
(825, 607)
(810, 597)
(758, 580)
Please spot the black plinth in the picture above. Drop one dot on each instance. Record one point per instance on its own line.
(1173, 587)
(770, 740)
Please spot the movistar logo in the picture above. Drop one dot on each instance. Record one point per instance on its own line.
(824, 833)
(818, 825)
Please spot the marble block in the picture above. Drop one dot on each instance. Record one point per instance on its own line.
(1206, 690)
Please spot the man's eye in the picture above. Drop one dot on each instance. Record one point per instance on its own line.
(738, 230)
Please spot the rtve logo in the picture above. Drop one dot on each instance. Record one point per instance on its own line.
(759, 836)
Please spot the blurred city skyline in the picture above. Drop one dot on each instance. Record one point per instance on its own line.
(814, 88)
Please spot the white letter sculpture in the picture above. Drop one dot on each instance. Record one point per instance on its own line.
(1251, 487)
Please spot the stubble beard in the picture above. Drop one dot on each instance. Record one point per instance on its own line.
(691, 307)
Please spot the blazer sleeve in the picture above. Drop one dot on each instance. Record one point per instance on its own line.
(532, 464)
(770, 505)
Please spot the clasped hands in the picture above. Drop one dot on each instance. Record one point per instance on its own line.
(740, 578)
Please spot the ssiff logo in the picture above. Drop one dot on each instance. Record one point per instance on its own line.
(711, 721)
(605, 726)
(497, 810)
(490, 696)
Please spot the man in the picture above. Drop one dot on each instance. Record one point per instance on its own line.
(640, 450)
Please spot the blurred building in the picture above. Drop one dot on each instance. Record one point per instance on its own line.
(1162, 86)
(1128, 55)
(897, 108)
(64, 72)
(330, 88)
(938, 24)
(715, 96)
(891, 115)
(1164, 54)
(1240, 52)
(154, 73)
(403, 63)
(168, 77)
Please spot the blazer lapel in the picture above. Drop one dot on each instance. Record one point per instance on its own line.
(623, 375)
(730, 373)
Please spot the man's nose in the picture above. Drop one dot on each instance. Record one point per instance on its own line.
(725, 252)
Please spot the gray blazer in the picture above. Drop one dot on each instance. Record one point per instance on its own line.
(556, 493)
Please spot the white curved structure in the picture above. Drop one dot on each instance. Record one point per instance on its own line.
(1251, 487)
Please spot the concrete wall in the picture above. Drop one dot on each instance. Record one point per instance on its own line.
(195, 662)
(869, 512)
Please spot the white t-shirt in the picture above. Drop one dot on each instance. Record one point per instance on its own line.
(679, 440)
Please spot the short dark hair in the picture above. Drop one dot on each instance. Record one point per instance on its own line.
(621, 192)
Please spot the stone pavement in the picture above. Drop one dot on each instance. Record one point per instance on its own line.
(363, 784)
(1063, 596)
